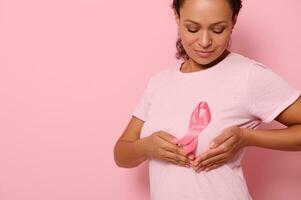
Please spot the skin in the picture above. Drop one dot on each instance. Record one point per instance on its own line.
(206, 35)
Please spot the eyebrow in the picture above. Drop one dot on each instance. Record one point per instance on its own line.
(198, 23)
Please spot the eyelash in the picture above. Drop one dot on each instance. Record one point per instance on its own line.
(219, 32)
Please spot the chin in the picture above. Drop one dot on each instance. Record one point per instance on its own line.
(211, 58)
(205, 61)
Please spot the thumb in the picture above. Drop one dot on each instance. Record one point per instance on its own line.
(220, 139)
(191, 156)
(212, 145)
(174, 140)
(216, 141)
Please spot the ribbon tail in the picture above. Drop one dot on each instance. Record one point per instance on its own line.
(185, 140)
(191, 147)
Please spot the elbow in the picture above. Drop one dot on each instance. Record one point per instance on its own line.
(121, 164)
(116, 157)
(119, 161)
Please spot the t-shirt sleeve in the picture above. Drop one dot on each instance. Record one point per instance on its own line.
(142, 107)
(268, 94)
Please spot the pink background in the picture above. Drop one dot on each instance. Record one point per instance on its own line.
(71, 72)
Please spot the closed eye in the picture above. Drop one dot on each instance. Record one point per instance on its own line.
(218, 32)
(215, 31)
(192, 31)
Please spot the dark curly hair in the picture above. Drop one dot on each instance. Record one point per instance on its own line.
(236, 5)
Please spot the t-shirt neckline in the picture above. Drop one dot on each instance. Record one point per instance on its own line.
(204, 71)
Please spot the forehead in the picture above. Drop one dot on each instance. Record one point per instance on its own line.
(206, 11)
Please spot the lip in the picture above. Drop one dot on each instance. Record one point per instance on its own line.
(203, 54)
(200, 51)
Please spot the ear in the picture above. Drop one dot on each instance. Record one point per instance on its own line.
(177, 18)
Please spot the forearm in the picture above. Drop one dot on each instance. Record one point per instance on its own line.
(287, 139)
(130, 154)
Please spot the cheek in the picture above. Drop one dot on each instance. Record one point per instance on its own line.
(222, 40)
(188, 37)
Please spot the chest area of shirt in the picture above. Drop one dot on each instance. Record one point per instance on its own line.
(172, 106)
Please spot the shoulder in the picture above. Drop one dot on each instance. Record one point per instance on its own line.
(246, 60)
(247, 65)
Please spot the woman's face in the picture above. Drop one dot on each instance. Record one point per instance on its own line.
(205, 25)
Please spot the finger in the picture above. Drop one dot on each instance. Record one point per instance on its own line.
(198, 169)
(177, 157)
(167, 137)
(225, 135)
(228, 155)
(175, 149)
(213, 167)
(214, 159)
(176, 162)
(223, 148)
(208, 154)
(191, 156)
(217, 164)
(223, 152)
(185, 140)
(173, 161)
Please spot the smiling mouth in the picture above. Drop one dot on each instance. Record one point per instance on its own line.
(203, 54)
(198, 51)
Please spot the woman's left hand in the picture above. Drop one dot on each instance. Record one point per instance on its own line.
(226, 146)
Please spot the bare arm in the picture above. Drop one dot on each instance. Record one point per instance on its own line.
(130, 150)
(287, 139)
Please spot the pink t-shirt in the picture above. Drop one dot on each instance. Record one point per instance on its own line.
(239, 91)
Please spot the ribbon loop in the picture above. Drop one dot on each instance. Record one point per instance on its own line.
(200, 118)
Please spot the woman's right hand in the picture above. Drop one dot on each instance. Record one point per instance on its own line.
(160, 146)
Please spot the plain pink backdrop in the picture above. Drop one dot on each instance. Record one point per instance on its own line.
(71, 72)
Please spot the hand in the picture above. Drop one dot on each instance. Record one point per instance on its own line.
(225, 147)
(160, 145)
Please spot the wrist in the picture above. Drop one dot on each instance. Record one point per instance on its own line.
(145, 147)
(247, 133)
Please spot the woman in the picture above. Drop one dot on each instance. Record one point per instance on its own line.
(194, 120)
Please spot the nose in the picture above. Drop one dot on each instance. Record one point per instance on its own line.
(205, 40)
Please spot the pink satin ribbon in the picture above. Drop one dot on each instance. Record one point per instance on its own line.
(199, 120)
